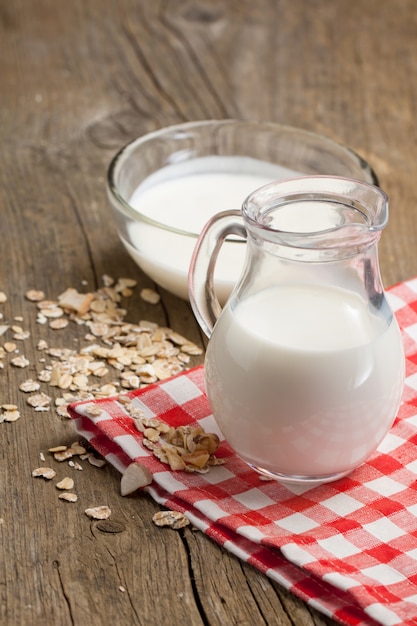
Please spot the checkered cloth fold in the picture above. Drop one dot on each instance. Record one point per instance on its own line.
(348, 548)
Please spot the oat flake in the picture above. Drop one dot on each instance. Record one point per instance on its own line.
(20, 361)
(172, 519)
(44, 472)
(98, 512)
(68, 497)
(29, 386)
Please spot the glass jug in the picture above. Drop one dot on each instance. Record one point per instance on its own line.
(305, 366)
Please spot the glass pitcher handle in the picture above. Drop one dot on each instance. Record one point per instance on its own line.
(204, 302)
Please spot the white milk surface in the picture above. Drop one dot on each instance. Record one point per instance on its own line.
(304, 381)
(185, 196)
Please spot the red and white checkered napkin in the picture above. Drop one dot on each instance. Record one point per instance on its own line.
(349, 548)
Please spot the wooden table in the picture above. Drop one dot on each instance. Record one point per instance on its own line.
(78, 80)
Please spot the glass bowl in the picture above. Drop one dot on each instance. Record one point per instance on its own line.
(164, 186)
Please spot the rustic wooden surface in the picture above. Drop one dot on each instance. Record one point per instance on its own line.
(78, 80)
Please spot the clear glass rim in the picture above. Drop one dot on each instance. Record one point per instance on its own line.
(364, 197)
(116, 162)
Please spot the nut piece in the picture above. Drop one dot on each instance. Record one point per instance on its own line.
(44, 472)
(78, 302)
(173, 519)
(197, 459)
(187, 448)
(135, 477)
(98, 512)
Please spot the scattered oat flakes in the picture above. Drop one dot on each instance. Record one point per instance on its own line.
(61, 411)
(52, 312)
(39, 400)
(64, 455)
(35, 295)
(173, 519)
(10, 415)
(77, 449)
(93, 460)
(59, 323)
(149, 295)
(21, 335)
(3, 297)
(65, 381)
(57, 449)
(44, 376)
(44, 472)
(29, 385)
(68, 497)
(9, 407)
(192, 349)
(20, 361)
(93, 410)
(65, 484)
(75, 465)
(124, 399)
(124, 283)
(106, 391)
(108, 281)
(129, 354)
(98, 512)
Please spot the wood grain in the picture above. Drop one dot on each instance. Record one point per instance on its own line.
(78, 80)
